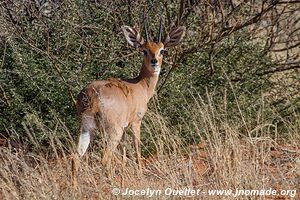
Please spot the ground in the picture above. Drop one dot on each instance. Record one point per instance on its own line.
(251, 164)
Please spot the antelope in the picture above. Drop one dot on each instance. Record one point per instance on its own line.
(123, 103)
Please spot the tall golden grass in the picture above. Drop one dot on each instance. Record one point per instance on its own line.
(231, 154)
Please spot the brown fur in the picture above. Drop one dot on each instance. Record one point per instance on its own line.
(119, 84)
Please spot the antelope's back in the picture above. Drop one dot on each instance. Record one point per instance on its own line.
(111, 93)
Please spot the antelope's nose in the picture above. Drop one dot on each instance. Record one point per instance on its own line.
(153, 61)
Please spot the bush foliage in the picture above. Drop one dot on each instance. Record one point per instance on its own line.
(49, 53)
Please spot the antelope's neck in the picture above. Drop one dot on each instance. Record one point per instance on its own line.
(148, 80)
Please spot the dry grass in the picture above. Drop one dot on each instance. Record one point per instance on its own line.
(227, 158)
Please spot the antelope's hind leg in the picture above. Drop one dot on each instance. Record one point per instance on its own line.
(114, 137)
(137, 143)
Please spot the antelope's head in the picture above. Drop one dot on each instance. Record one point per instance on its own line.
(153, 50)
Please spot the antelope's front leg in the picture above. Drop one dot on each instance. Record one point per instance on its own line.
(137, 142)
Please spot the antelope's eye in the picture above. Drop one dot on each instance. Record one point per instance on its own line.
(162, 52)
(145, 52)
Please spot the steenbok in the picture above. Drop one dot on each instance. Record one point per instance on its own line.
(123, 103)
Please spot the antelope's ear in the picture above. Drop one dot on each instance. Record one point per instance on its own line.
(175, 36)
(132, 36)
